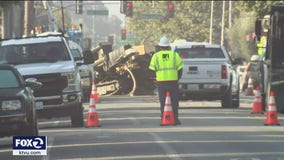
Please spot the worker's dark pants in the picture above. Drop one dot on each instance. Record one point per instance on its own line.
(172, 87)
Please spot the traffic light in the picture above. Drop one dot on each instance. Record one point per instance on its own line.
(129, 9)
(111, 39)
(171, 10)
(123, 34)
(79, 6)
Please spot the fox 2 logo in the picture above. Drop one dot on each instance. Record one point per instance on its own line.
(29, 142)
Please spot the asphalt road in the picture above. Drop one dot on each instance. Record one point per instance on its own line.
(130, 129)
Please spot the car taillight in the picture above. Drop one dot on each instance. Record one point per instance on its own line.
(224, 73)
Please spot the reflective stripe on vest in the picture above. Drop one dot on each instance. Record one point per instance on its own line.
(158, 66)
(166, 73)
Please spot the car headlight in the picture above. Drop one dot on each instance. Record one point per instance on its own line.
(11, 105)
(71, 77)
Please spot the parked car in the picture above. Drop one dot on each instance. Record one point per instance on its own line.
(208, 74)
(86, 70)
(17, 103)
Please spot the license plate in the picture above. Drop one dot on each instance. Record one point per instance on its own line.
(39, 105)
(193, 87)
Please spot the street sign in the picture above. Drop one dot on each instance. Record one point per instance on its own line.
(152, 16)
(97, 12)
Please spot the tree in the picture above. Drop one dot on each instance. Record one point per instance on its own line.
(237, 34)
(143, 27)
(191, 21)
(260, 8)
(244, 24)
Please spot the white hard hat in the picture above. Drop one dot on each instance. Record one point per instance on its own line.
(254, 58)
(164, 42)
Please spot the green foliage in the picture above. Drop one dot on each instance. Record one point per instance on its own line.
(241, 27)
(260, 8)
(244, 25)
(153, 29)
(191, 21)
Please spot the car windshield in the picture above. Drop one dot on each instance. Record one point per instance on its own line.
(33, 53)
(188, 53)
(8, 79)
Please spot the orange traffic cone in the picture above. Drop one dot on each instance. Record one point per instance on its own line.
(168, 117)
(92, 118)
(271, 115)
(94, 93)
(257, 106)
(250, 87)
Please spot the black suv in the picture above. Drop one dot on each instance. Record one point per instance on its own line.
(17, 104)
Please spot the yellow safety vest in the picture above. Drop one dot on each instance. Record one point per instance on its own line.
(166, 65)
(261, 45)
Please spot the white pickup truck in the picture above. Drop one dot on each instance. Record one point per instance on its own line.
(49, 60)
(208, 74)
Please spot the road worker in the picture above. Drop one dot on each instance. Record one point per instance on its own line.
(253, 71)
(167, 66)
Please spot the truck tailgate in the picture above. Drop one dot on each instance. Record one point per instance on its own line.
(202, 71)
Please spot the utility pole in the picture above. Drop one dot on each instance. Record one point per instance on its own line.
(223, 19)
(211, 21)
(62, 14)
(51, 18)
(26, 18)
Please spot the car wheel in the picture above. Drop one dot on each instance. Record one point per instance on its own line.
(236, 100)
(226, 101)
(77, 119)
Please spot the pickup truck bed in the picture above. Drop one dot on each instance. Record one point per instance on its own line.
(208, 74)
(204, 78)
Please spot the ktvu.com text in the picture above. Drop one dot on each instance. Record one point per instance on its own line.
(29, 152)
(29, 145)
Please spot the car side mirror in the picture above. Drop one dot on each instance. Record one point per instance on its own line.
(33, 83)
(88, 57)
